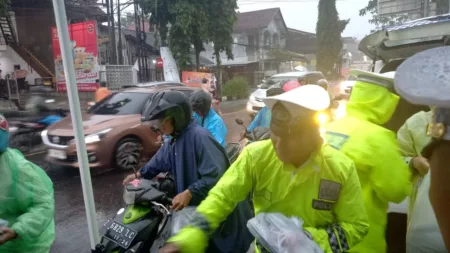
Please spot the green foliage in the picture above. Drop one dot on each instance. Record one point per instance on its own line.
(4, 7)
(193, 23)
(329, 29)
(380, 21)
(236, 87)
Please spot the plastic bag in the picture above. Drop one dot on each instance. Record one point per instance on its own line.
(280, 234)
(181, 219)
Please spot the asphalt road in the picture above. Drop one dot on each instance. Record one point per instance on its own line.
(71, 225)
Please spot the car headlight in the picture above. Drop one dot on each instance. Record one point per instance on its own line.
(252, 97)
(44, 133)
(93, 138)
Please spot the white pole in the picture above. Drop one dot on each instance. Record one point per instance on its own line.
(75, 112)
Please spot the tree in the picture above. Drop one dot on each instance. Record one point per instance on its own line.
(220, 30)
(329, 43)
(4, 7)
(380, 21)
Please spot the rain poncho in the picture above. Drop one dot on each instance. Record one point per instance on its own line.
(423, 234)
(383, 174)
(27, 203)
(324, 192)
(262, 119)
(214, 124)
(197, 162)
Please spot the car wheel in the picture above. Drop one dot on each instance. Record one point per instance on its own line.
(128, 154)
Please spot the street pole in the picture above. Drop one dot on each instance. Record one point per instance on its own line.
(119, 24)
(138, 39)
(75, 112)
(113, 33)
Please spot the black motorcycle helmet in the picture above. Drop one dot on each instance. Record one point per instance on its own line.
(201, 101)
(172, 104)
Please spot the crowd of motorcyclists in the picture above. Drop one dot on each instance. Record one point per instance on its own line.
(339, 183)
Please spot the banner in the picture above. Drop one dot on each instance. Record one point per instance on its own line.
(194, 79)
(85, 56)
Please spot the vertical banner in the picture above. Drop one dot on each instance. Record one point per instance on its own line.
(85, 56)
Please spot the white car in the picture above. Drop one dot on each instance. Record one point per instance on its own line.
(346, 86)
(255, 102)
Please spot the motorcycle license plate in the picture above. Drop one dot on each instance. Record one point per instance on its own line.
(119, 233)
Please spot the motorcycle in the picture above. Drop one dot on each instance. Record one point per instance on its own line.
(258, 134)
(26, 132)
(137, 226)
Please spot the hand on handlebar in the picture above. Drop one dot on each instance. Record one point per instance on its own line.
(170, 248)
(181, 200)
(131, 177)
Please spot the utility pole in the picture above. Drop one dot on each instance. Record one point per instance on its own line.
(112, 33)
(138, 38)
(119, 27)
(144, 49)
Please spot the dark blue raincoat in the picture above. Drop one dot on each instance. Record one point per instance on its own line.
(197, 162)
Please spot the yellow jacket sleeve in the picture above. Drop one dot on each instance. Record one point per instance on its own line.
(351, 219)
(234, 187)
(390, 174)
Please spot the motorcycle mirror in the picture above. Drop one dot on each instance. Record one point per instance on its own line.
(424, 78)
(239, 122)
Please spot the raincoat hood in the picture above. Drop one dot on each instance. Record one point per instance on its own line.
(371, 102)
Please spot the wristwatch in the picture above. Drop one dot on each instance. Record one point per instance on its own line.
(438, 129)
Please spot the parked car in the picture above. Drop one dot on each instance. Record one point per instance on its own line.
(255, 102)
(114, 133)
(346, 87)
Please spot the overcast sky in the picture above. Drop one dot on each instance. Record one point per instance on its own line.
(302, 14)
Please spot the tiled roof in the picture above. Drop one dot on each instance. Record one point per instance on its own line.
(255, 19)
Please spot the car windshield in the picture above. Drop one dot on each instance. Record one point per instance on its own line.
(122, 103)
(279, 80)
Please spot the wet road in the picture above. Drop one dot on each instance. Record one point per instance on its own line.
(71, 225)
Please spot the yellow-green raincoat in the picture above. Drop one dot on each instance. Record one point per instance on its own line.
(384, 175)
(324, 192)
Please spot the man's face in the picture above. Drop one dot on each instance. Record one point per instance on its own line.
(290, 140)
(163, 126)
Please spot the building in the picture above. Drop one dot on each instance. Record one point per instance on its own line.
(413, 9)
(255, 35)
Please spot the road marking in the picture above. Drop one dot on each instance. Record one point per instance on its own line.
(36, 153)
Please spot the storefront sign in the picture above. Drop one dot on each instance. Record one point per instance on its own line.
(85, 56)
(194, 79)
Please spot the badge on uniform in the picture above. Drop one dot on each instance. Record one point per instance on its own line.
(328, 194)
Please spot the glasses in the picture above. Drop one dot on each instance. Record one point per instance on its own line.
(3, 124)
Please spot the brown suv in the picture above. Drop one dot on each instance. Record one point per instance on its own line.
(113, 129)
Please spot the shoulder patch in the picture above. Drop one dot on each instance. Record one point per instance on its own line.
(336, 140)
(329, 190)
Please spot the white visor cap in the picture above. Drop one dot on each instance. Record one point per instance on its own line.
(312, 97)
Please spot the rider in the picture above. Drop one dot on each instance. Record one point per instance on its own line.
(423, 230)
(206, 117)
(294, 174)
(262, 119)
(197, 162)
(26, 201)
(383, 174)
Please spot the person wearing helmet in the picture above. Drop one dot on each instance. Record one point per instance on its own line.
(197, 162)
(27, 205)
(262, 118)
(360, 135)
(294, 174)
(206, 117)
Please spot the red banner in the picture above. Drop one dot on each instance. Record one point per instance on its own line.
(85, 56)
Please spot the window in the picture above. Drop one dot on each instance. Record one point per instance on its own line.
(122, 103)
(266, 38)
(275, 40)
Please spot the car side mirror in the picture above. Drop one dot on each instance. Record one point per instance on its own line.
(239, 122)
